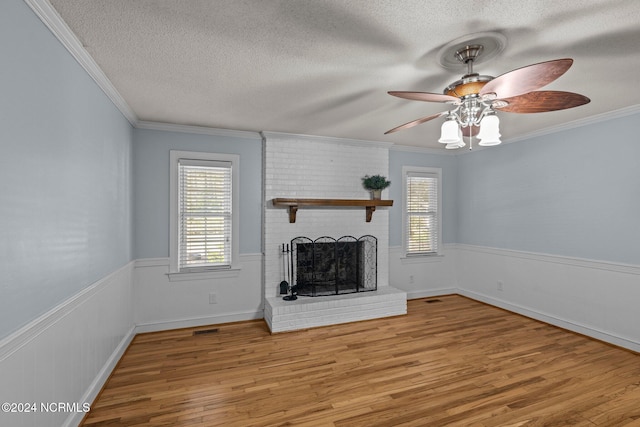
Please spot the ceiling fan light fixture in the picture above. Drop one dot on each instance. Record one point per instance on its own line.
(449, 132)
(456, 145)
(490, 142)
(489, 134)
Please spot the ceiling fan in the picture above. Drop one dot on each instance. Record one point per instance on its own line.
(476, 98)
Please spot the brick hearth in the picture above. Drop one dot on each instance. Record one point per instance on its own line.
(309, 312)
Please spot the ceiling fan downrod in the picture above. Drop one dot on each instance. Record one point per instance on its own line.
(468, 54)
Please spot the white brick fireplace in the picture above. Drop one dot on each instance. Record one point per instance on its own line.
(323, 168)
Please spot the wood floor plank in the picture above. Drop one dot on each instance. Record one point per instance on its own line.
(455, 362)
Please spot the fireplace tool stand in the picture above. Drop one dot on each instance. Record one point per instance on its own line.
(286, 286)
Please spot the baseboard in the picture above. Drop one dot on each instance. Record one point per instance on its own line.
(96, 386)
(431, 293)
(198, 321)
(554, 320)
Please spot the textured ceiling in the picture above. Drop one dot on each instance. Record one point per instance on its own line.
(323, 67)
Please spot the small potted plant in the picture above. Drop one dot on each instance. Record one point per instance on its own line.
(375, 184)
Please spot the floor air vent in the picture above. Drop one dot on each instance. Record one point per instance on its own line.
(205, 332)
(431, 301)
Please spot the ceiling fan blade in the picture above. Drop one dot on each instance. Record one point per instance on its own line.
(425, 96)
(416, 122)
(526, 79)
(543, 100)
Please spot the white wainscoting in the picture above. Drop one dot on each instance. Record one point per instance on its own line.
(161, 303)
(424, 276)
(594, 298)
(67, 354)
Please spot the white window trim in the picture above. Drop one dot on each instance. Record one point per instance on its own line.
(419, 169)
(174, 273)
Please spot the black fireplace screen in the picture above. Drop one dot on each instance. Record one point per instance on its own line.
(327, 266)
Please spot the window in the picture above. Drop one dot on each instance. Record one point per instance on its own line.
(203, 211)
(421, 210)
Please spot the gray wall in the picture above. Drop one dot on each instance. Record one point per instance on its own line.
(151, 186)
(574, 193)
(65, 173)
(448, 164)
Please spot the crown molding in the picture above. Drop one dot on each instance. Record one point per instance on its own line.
(50, 17)
(325, 139)
(201, 130)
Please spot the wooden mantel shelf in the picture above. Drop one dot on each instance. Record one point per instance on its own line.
(294, 204)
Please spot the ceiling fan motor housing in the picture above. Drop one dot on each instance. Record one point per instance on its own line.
(468, 85)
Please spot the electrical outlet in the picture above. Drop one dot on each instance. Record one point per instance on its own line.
(213, 298)
(500, 286)
(410, 279)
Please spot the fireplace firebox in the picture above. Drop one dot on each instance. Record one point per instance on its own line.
(328, 266)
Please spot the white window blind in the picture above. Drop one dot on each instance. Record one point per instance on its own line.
(421, 213)
(204, 214)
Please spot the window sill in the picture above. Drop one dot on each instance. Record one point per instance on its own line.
(203, 275)
(420, 259)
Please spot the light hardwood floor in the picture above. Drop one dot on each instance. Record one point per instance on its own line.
(451, 362)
